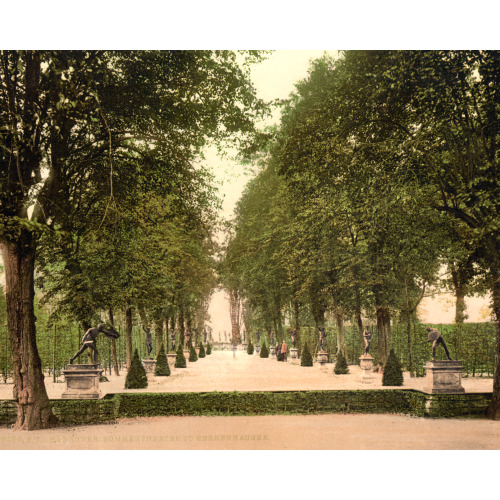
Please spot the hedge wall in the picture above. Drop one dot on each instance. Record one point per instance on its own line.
(407, 402)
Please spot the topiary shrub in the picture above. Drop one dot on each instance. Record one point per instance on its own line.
(209, 348)
(136, 376)
(264, 351)
(393, 374)
(192, 354)
(162, 369)
(341, 367)
(306, 358)
(250, 347)
(180, 360)
(202, 353)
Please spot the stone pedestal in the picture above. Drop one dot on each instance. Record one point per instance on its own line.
(171, 360)
(272, 351)
(149, 365)
(294, 353)
(186, 354)
(366, 365)
(197, 349)
(82, 381)
(257, 348)
(322, 357)
(444, 377)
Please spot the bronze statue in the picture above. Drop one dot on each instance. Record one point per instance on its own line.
(293, 336)
(188, 337)
(436, 338)
(149, 346)
(204, 335)
(322, 337)
(89, 338)
(367, 335)
(271, 337)
(258, 336)
(172, 339)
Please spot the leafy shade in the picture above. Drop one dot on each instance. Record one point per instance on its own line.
(136, 376)
(393, 374)
(162, 369)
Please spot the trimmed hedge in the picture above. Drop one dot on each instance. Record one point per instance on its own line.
(341, 367)
(398, 401)
(264, 351)
(393, 374)
(202, 353)
(306, 358)
(209, 349)
(192, 354)
(162, 369)
(136, 376)
(180, 359)
(250, 347)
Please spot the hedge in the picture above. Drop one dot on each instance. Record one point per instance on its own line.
(395, 401)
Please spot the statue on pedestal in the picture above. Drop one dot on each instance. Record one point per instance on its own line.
(257, 335)
(322, 338)
(204, 335)
(293, 336)
(89, 338)
(149, 346)
(271, 337)
(172, 339)
(187, 335)
(367, 335)
(195, 337)
(436, 338)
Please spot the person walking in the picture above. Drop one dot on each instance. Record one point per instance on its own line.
(284, 348)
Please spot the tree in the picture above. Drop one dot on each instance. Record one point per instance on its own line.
(264, 351)
(341, 367)
(393, 374)
(180, 360)
(202, 353)
(73, 113)
(161, 368)
(136, 376)
(306, 358)
(250, 347)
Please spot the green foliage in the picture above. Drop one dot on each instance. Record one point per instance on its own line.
(264, 351)
(180, 360)
(341, 367)
(162, 369)
(397, 401)
(192, 353)
(202, 353)
(209, 348)
(393, 374)
(250, 347)
(306, 358)
(136, 376)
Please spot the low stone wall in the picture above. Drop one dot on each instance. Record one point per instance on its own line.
(397, 401)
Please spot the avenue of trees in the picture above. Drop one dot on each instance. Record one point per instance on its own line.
(101, 206)
(383, 173)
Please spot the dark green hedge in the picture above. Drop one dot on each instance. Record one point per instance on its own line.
(406, 402)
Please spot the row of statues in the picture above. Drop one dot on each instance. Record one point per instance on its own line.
(88, 340)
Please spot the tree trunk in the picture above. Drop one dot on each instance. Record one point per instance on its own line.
(113, 344)
(33, 407)
(296, 310)
(128, 333)
(234, 311)
(339, 318)
(384, 333)
(158, 334)
(493, 411)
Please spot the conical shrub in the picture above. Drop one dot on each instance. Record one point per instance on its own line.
(202, 351)
(393, 374)
(341, 367)
(180, 360)
(162, 369)
(136, 376)
(209, 348)
(192, 354)
(264, 351)
(306, 358)
(250, 347)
